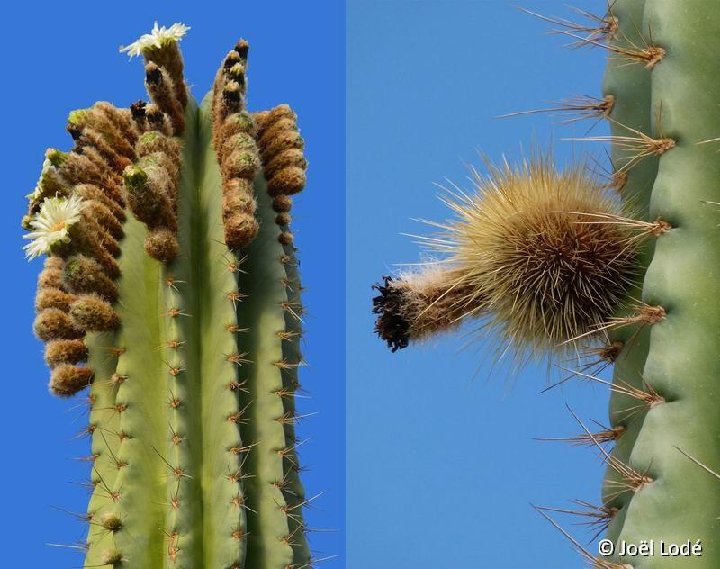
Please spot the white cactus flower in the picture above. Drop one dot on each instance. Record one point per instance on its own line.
(157, 37)
(52, 223)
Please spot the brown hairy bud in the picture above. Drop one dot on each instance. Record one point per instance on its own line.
(285, 238)
(290, 158)
(236, 123)
(162, 92)
(84, 275)
(55, 324)
(147, 195)
(91, 312)
(154, 142)
(169, 58)
(162, 244)
(287, 181)
(52, 274)
(65, 352)
(51, 297)
(282, 203)
(157, 120)
(241, 163)
(272, 146)
(283, 218)
(67, 380)
(92, 193)
(240, 230)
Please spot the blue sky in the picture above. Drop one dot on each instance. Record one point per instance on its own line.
(57, 58)
(442, 461)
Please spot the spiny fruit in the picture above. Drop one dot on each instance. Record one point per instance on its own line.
(543, 255)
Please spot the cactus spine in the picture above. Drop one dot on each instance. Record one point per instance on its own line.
(660, 95)
(171, 290)
(676, 99)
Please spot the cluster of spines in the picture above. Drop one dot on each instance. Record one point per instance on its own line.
(635, 156)
(284, 163)
(234, 133)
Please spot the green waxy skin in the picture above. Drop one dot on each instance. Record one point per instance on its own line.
(195, 356)
(630, 84)
(683, 501)
(192, 411)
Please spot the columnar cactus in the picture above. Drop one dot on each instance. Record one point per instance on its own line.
(632, 276)
(170, 290)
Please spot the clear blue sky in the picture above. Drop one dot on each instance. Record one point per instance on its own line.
(442, 465)
(58, 57)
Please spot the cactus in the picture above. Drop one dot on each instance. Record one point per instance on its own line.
(170, 291)
(653, 319)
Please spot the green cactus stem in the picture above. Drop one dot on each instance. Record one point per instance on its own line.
(681, 502)
(171, 290)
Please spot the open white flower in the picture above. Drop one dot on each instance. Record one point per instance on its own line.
(157, 37)
(52, 223)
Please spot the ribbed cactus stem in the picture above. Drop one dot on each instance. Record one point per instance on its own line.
(183, 312)
(682, 501)
(629, 84)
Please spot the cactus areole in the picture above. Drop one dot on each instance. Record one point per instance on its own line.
(170, 291)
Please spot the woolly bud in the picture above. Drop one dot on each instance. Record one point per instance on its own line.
(105, 218)
(292, 157)
(51, 297)
(239, 122)
(162, 92)
(287, 181)
(267, 118)
(147, 196)
(65, 352)
(157, 120)
(67, 380)
(52, 274)
(272, 144)
(84, 275)
(282, 203)
(153, 142)
(54, 324)
(283, 218)
(232, 95)
(162, 244)
(91, 312)
(285, 238)
(240, 230)
(238, 195)
(91, 193)
(240, 163)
